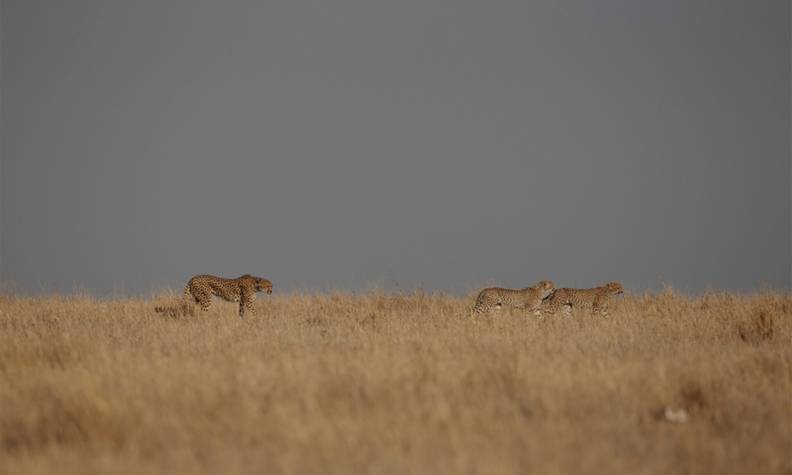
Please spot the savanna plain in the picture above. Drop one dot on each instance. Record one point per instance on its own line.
(396, 383)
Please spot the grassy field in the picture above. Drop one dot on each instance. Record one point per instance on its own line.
(394, 384)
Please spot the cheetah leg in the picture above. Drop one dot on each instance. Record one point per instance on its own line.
(600, 306)
(544, 309)
(246, 300)
(481, 308)
(205, 301)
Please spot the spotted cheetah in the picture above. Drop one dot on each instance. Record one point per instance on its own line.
(595, 300)
(201, 288)
(495, 298)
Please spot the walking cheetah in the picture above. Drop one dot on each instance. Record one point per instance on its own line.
(595, 300)
(495, 298)
(201, 288)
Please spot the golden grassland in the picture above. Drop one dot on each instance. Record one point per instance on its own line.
(395, 383)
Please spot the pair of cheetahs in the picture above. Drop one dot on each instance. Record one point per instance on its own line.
(544, 299)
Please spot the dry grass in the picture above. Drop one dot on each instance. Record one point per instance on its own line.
(384, 383)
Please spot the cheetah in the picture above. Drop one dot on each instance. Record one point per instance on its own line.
(201, 288)
(495, 298)
(595, 300)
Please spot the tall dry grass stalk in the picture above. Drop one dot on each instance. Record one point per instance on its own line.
(392, 383)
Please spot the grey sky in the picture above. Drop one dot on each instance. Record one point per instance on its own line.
(446, 144)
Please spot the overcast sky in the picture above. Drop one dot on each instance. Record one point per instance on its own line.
(434, 143)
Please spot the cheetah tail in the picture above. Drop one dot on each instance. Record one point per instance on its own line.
(177, 309)
(166, 308)
(188, 297)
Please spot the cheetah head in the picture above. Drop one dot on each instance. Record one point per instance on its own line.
(262, 285)
(545, 287)
(614, 288)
